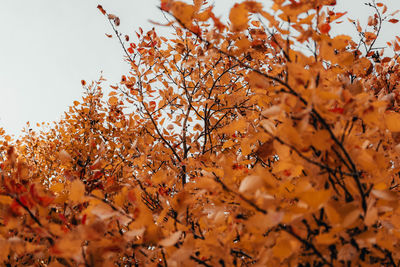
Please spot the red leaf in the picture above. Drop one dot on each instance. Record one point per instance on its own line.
(152, 105)
(45, 201)
(19, 188)
(195, 29)
(15, 208)
(84, 219)
(287, 172)
(393, 20)
(396, 46)
(131, 196)
(97, 175)
(117, 21)
(325, 28)
(101, 9)
(165, 5)
(26, 201)
(62, 217)
(337, 110)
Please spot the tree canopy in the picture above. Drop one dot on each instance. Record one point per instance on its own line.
(262, 140)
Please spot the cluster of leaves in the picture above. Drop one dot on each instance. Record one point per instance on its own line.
(262, 141)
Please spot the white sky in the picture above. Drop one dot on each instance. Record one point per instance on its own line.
(48, 46)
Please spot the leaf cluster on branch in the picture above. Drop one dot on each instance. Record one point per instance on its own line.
(264, 140)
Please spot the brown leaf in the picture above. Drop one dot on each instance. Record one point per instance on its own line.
(101, 9)
(266, 149)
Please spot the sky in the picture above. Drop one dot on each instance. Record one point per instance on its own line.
(48, 46)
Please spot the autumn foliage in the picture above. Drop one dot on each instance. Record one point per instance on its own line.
(265, 140)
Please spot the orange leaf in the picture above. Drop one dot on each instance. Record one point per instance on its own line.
(64, 156)
(152, 105)
(183, 12)
(392, 121)
(239, 17)
(113, 100)
(370, 36)
(77, 191)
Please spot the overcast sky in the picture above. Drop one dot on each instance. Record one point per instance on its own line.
(48, 46)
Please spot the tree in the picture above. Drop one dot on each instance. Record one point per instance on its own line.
(224, 145)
